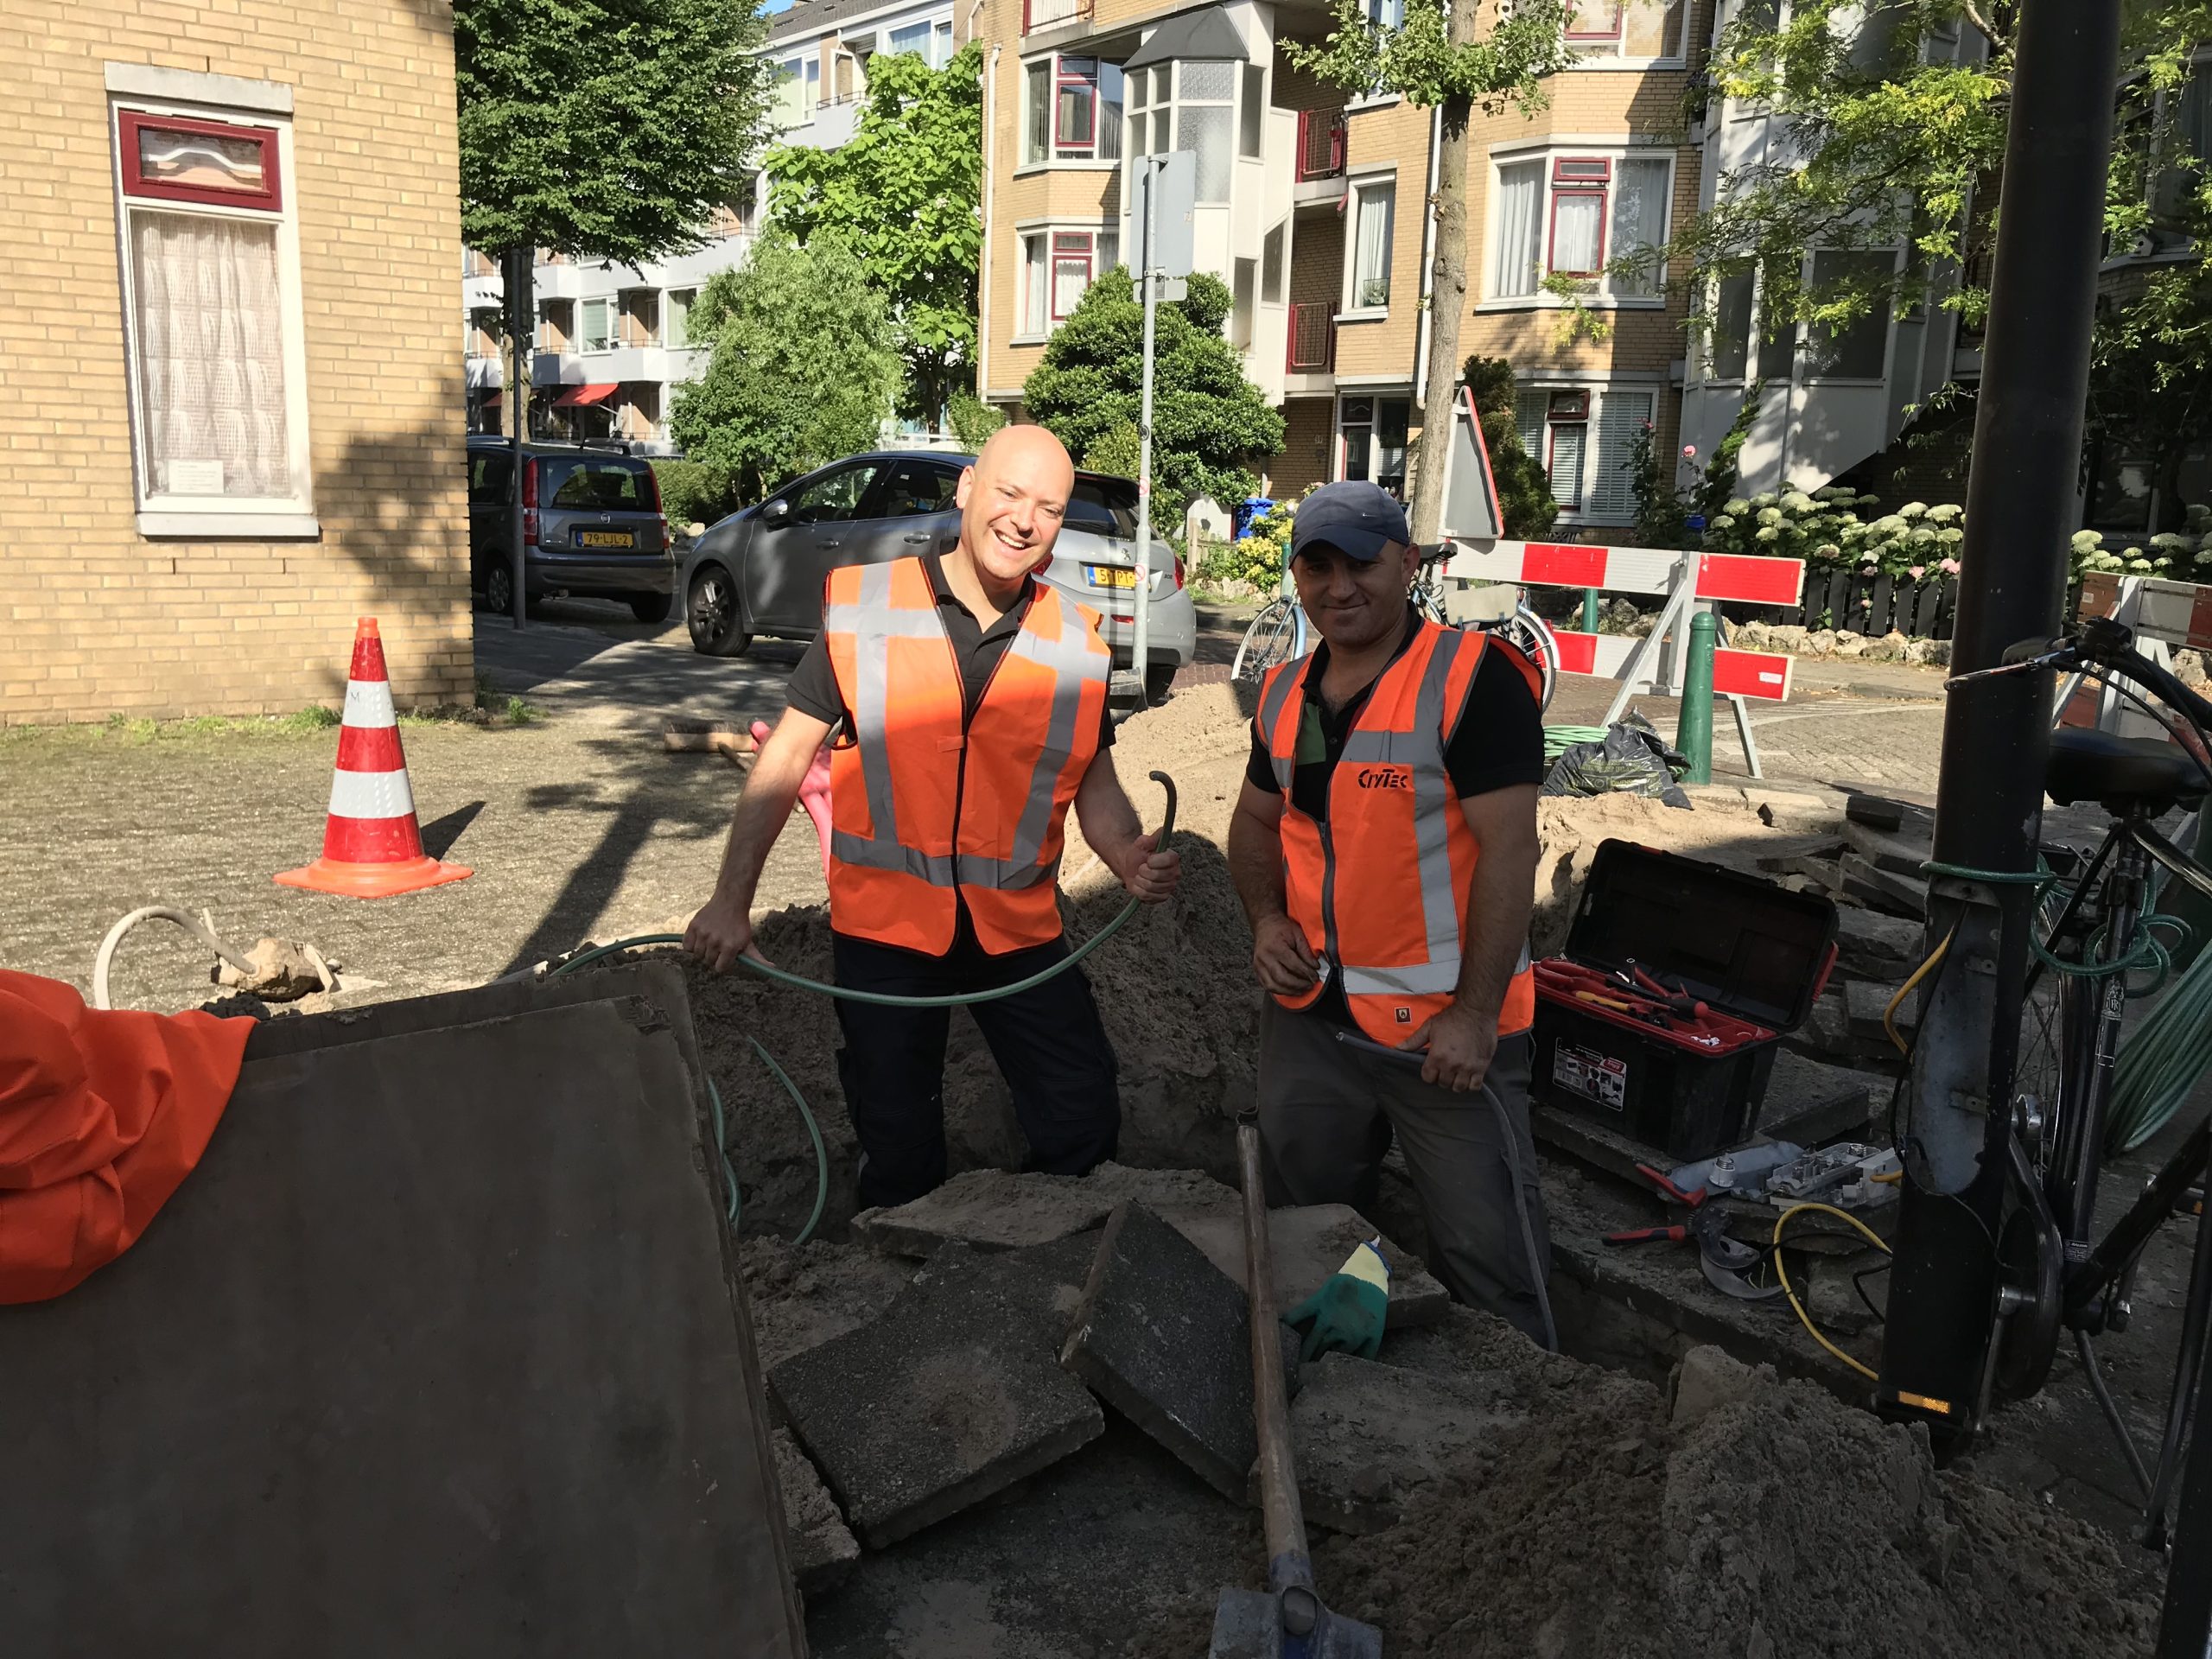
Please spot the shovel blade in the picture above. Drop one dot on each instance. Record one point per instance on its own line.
(1248, 1624)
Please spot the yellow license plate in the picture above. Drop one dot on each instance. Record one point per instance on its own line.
(1109, 576)
(608, 539)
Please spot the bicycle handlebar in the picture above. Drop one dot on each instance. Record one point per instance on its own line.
(2098, 642)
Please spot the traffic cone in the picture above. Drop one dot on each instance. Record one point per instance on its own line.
(371, 845)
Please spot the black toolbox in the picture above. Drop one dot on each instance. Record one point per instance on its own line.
(1755, 954)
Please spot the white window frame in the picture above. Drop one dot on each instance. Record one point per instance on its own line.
(609, 310)
(1595, 459)
(1602, 50)
(1358, 188)
(1104, 254)
(796, 72)
(668, 308)
(1080, 157)
(1600, 294)
(182, 95)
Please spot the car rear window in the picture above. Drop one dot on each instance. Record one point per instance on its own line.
(1106, 507)
(593, 484)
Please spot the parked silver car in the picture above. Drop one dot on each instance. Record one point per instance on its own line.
(593, 528)
(759, 571)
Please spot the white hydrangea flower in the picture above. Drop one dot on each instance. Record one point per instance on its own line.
(2085, 539)
(1769, 515)
(1796, 501)
(1830, 551)
(2141, 567)
(1763, 498)
(1737, 507)
(1945, 513)
(2167, 542)
(1769, 533)
(1913, 510)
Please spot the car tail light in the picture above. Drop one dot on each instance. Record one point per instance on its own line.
(530, 502)
(652, 483)
(1179, 570)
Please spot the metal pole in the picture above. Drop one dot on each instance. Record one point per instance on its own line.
(2186, 1629)
(2020, 507)
(1589, 610)
(517, 279)
(1694, 731)
(1151, 281)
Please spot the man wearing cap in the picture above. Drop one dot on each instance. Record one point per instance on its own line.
(1384, 847)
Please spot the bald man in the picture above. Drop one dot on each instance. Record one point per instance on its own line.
(970, 704)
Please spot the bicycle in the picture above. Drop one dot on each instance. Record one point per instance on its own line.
(2054, 1274)
(1281, 633)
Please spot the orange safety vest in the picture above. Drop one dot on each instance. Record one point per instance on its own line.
(1381, 889)
(923, 815)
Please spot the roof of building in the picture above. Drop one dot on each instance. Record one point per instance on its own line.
(810, 16)
(1207, 37)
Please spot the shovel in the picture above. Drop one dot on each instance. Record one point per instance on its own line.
(1286, 1620)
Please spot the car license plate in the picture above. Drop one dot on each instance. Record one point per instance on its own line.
(606, 537)
(1109, 576)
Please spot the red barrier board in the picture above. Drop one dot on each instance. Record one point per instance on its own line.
(1578, 653)
(1763, 674)
(1749, 579)
(1563, 564)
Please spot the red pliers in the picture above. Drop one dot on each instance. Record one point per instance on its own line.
(1673, 1234)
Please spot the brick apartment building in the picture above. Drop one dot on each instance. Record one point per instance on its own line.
(227, 347)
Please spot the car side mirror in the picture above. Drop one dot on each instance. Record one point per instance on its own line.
(777, 512)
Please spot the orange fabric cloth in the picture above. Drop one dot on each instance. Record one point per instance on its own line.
(102, 1116)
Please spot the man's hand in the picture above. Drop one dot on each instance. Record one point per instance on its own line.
(720, 934)
(1282, 960)
(1149, 873)
(1460, 1043)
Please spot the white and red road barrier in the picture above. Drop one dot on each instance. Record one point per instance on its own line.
(371, 843)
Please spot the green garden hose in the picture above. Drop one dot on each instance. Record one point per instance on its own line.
(1558, 740)
(768, 970)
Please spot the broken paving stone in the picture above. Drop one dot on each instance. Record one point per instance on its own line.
(1901, 895)
(1307, 1243)
(953, 1395)
(1899, 855)
(1867, 1001)
(998, 1209)
(1162, 1335)
(1875, 811)
(1869, 942)
(823, 1549)
(1366, 1438)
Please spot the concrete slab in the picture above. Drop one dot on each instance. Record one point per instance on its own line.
(441, 1350)
(823, 1550)
(1366, 1438)
(1307, 1243)
(1870, 943)
(1811, 1103)
(1898, 893)
(998, 1209)
(1900, 854)
(954, 1394)
(1866, 1001)
(1162, 1335)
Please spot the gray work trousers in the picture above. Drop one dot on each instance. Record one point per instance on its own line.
(1328, 1113)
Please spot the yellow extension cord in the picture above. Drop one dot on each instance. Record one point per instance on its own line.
(1783, 1272)
(1889, 1013)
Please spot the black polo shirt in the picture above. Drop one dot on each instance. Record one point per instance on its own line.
(1499, 742)
(813, 686)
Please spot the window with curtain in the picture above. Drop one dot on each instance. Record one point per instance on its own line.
(1634, 30)
(679, 316)
(1529, 404)
(1036, 268)
(599, 334)
(1520, 218)
(218, 406)
(1640, 222)
(1621, 416)
(1370, 268)
(1578, 228)
(1072, 253)
(1037, 131)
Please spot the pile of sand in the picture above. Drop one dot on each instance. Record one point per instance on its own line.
(1174, 985)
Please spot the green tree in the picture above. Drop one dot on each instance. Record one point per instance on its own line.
(1893, 138)
(903, 193)
(1525, 507)
(803, 367)
(1208, 423)
(609, 128)
(1448, 62)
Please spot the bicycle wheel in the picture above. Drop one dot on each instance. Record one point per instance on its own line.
(1276, 635)
(1526, 633)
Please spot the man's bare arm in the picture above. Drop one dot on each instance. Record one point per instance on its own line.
(1110, 824)
(1281, 959)
(722, 930)
(1502, 896)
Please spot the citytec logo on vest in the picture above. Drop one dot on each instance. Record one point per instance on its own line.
(1385, 777)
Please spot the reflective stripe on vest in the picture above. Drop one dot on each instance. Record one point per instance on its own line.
(1395, 750)
(908, 760)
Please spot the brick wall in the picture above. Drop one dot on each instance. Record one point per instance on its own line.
(1309, 425)
(102, 620)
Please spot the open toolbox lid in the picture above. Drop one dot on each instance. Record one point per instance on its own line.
(1748, 946)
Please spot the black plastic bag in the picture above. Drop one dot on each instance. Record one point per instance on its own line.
(1632, 760)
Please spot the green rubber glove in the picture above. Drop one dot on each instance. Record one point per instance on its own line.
(1348, 1310)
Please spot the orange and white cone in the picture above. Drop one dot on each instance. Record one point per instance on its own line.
(371, 844)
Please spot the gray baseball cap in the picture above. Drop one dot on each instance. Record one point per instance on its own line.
(1359, 519)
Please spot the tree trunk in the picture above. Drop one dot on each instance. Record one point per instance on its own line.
(1447, 300)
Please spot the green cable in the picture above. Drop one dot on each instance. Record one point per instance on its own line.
(1558, 740)
(821, 1152)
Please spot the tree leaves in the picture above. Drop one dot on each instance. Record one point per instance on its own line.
(1208, 420)
(607, 129)
(903, 193)
(803, 367)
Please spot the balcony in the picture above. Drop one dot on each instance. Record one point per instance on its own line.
(1050, 14)
(1320, 144)
(1312, 339)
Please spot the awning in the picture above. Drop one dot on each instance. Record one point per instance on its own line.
(584, 397)
(490, 400)
(1206, 37)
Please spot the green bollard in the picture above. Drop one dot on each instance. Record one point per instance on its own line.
(1589, 610)
(1694, 735)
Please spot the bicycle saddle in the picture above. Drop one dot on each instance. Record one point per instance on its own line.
(2120, 773)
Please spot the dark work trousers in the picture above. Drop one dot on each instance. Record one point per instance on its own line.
(1328, 1113)
(1048, 1041)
